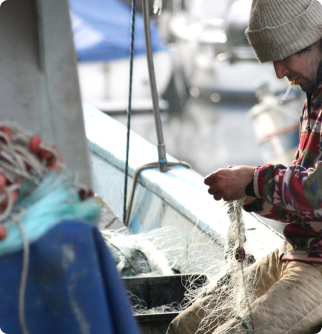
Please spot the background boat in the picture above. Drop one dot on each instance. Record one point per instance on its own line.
(215, 57)
(102, 32)
(276, 126)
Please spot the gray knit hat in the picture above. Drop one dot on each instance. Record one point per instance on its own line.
(280, 28)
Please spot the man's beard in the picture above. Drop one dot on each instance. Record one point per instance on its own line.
(308, 86)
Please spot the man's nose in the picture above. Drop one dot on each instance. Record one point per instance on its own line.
(280, 68)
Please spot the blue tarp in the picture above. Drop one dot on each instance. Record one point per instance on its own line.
(73, 286)
(102, 30)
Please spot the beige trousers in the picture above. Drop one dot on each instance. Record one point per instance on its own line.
(288, 301)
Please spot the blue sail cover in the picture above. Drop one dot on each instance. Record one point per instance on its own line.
(102, 30)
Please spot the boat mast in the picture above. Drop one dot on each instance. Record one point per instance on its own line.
(162, 163)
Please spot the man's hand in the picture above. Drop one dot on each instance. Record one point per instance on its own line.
(229, 183)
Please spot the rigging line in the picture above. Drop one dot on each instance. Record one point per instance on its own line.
(129, 111)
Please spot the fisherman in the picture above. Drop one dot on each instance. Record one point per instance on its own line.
(288, 282)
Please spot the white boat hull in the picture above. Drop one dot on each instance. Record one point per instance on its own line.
(105, 85)
(177, 198)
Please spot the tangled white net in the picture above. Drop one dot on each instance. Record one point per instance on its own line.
(163, 252)
(229, 293)
(157, 252)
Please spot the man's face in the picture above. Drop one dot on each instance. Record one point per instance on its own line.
(301, 66)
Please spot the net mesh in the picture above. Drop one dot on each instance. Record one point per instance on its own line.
(157, 252)
(228, 293)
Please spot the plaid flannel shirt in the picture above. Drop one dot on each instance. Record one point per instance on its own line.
(293, 194)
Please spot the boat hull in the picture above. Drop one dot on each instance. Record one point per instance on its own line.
(177, 198)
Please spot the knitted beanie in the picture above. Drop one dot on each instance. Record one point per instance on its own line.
(280, 28)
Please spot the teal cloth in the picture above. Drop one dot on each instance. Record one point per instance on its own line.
(51, 202)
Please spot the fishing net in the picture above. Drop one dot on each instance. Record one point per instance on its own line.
(157, 252)
(139, 306)
(163, 251)
(229, 292)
